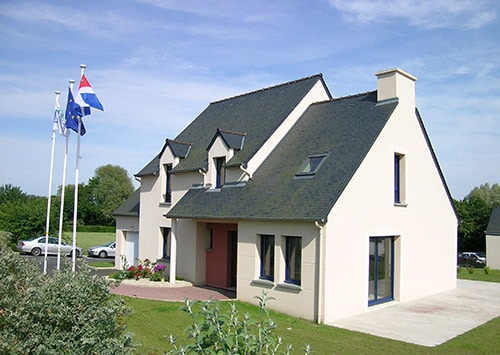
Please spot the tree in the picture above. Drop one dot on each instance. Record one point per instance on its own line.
(489, 194)
(27, 219)
(474, 212)
(9, 193)
(107, 190)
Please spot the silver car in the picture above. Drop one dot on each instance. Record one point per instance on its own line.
(103, 251)
(36, 246)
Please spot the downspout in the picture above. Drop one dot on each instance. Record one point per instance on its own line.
(173, 251)
(249, 174)
(204, 173)
(321, 272)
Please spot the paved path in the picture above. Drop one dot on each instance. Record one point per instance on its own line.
(179, 292)
(432, 320)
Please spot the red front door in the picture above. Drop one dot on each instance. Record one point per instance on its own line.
(221, 258)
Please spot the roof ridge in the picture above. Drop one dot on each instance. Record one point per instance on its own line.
(231, 132)
(345, 97)
(319, 75)
(178, 142)
(366, 93)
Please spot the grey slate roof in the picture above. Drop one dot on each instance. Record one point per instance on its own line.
(256, 114)
(494, 223)
(179, 149)
(131, 205)
(345, 128)
(233, 140)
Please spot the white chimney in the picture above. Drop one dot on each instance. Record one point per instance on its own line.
(395, 83)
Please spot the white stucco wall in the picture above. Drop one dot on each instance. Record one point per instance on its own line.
(425, 228)
(153, 207)
(294, 300)
(493, 251)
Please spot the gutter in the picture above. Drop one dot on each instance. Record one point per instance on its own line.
(320, 317)
(204, 173)
(249, 174)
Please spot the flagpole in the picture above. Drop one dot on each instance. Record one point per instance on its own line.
(77, 170)
(49, 194)
(63, 189)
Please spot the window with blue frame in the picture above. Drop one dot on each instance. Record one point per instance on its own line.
(381, 270)
(166, 243)
(293, 260)
(168, 191)
(267, 257)
(220, 172)
(399, 178)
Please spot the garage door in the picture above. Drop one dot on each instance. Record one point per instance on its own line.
(132, 247)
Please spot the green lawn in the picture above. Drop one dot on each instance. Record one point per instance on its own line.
(153, 320)
(478, 275)
(89, 239)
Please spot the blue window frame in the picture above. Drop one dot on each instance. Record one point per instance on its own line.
(267, 257)
(381, 270)
(397, 178)
(168, 191)
(220, 171)
(293, 260)
(166, 243)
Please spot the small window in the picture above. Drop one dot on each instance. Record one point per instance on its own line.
(166, 242)
(168, 191)
(399, 179)
(293, 260)
(267, 257)
(220, 171)
(311, 165)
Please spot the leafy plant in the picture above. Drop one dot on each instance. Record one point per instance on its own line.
(63, 313)
(213, 332)
(487, 270)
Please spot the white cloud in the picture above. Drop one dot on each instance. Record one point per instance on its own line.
(428, 14)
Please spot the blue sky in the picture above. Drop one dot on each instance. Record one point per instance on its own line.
(155, 65)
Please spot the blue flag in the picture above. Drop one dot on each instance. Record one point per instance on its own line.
(73, 113)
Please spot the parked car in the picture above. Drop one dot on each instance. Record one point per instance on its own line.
(471, 258)
(36, 246)
(103, 251)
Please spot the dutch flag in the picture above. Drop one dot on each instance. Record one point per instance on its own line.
(88, 95)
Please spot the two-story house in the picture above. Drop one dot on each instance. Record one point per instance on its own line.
(329, 204)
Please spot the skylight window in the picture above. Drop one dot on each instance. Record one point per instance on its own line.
(311, 165)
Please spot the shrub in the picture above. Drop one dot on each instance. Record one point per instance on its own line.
(145, 270)
(487, 270)
(213, 332)
(63, 313)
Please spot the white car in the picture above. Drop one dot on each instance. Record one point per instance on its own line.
(103, 251)
(471, 258)
(36, 246)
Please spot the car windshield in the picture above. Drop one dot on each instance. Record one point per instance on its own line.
(107, 244)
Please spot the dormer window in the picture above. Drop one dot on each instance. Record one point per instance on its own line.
(311, 165)
(220, 172)
(168, 189)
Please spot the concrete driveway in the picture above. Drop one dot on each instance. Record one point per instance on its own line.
(432, 320)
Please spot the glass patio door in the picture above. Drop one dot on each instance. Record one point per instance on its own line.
(381, 269)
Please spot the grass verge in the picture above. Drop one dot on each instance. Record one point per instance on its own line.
(153, 321)
(478, 275)
(86, 240)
